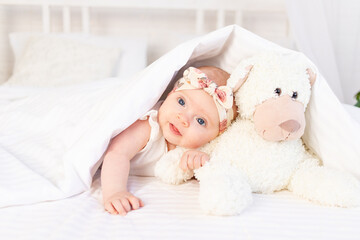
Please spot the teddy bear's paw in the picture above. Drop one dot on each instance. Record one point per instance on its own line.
(345, 191)
(224, 192)
(327, 186)
(167, 168)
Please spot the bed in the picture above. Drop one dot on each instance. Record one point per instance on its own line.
(46, 194)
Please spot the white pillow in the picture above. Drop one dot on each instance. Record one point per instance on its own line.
(131, 60)
(53, 61)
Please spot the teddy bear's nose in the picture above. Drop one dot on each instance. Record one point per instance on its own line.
(290, 126)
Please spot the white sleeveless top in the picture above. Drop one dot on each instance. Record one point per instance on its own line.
(143, 163)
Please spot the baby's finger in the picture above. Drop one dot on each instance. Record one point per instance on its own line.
(126, 205)
(197, 162)
(183, 162)
(119, 207)
(141, 203)
(204, 158)
(203, 161)
(110, 208)
(134, 202)
(190, 162)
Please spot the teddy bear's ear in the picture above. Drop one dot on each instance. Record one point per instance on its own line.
(244, 74)
(312, 76)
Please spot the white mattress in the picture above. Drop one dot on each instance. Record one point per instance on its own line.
(172, 212)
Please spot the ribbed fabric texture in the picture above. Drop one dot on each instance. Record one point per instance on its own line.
(173, 212)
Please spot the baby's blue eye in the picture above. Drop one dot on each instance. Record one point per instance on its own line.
(181, 101)
(200, 121)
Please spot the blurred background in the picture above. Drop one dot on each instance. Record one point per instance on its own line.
(327, 31)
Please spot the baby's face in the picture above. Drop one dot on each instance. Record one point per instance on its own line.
(189, 118)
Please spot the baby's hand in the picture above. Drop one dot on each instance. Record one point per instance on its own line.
(122, 202)
(193, 159)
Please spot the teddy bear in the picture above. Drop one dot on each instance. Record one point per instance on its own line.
(262, 151)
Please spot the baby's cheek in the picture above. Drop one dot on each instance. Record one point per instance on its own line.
(191, 142)
(200, 140)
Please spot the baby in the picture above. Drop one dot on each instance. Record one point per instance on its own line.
(194, 113)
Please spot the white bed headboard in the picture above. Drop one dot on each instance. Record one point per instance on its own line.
(164, 23)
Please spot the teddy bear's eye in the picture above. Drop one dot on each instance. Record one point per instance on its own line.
(295, 95)
(278, 91)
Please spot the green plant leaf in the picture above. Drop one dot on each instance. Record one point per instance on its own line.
(357, 97)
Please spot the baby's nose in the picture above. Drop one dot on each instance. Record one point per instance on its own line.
(183, 120)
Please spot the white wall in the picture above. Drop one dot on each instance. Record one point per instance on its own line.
(164, 29)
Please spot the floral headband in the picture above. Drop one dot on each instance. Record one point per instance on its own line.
(193, 78)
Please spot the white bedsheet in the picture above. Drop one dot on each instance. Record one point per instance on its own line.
(172, 212)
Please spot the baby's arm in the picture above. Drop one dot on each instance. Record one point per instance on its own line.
(193, 159)
(116, 166)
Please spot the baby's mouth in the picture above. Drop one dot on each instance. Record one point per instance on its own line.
(174, 129)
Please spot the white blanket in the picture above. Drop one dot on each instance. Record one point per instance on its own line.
(51, 139)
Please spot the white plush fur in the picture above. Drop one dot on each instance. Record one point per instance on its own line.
(243, 162)
(270, 72)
